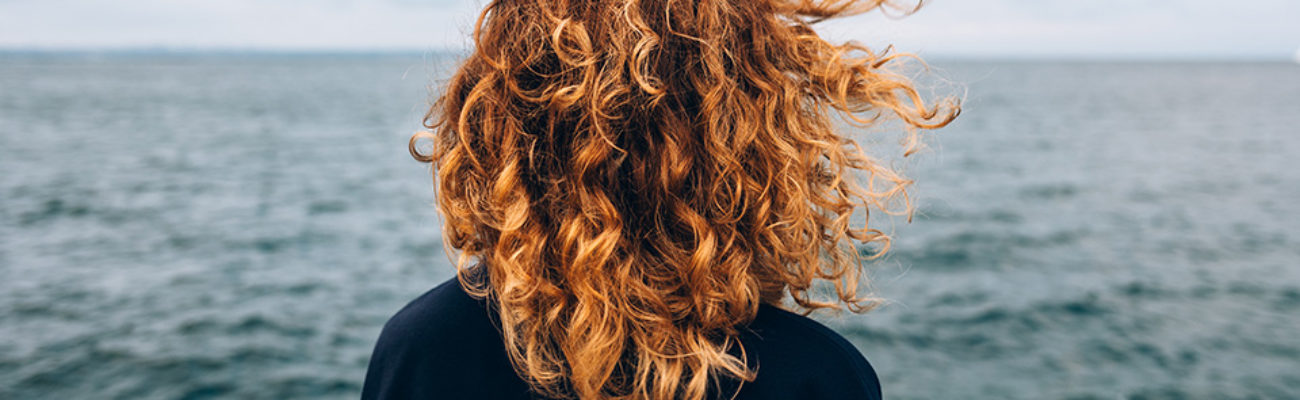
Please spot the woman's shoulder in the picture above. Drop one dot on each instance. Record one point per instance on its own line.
(794, 352)
(773, 325)
(444, 312)
(443, 344)
(443, 316)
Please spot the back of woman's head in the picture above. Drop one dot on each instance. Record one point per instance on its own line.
(637, 176)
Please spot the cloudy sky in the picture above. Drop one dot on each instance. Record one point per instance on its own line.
(959, 28)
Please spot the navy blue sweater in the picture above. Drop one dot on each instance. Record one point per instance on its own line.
(445, 345)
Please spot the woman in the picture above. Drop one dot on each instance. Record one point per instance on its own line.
(634, 188)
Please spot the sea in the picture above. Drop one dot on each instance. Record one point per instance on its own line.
(241, 225)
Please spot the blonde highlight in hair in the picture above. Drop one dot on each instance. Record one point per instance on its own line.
(638, 176)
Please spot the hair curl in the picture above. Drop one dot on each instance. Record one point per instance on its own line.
(637, 176)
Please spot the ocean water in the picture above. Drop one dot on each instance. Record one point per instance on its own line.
(236, 226)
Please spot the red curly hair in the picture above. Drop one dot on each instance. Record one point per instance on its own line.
(637, 176)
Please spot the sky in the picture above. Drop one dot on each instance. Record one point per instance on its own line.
(1184, 29)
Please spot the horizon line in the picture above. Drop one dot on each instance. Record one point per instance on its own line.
(451, 51)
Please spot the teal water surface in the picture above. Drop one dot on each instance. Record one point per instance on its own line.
(240, 226)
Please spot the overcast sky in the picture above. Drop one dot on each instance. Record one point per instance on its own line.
(1000, 28)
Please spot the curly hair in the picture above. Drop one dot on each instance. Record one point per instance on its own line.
(638, 176)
